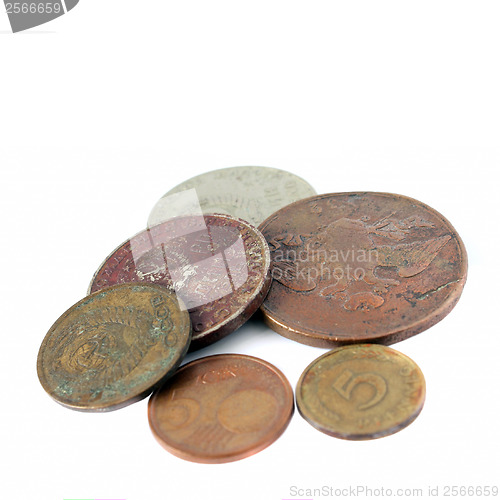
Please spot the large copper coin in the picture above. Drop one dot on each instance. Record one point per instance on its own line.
(361, 392)
(113, 347)
(221, 408)
(251, 193)
(361, 267)
(218, 265)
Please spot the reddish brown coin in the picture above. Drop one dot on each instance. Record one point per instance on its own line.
(361, 267)
(221, 408)
(218, 265)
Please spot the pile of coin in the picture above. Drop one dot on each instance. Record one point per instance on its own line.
(344, 271)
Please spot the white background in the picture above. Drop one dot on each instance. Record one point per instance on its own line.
(105, 109)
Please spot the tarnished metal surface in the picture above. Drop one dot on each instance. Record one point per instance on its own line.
(111, 348)
(221, 408)
(251, 193)
(218, 265)
(361, 267)
(361, 392)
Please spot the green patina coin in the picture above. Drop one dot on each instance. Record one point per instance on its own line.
(113, 347)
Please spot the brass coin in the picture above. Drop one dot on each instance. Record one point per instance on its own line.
(363, 391)
(113, 347)
(361, 267)
(221, 408)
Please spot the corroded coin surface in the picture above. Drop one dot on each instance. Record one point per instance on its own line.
(218, 265)
(113, 347)
(361, 267)
(250, 193)
(361, 392)
(221, 408)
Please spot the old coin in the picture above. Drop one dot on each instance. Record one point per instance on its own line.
(250, 193)
(361, 392)
(218, 265)
(221, 408)
(113, 347)
(361, 267)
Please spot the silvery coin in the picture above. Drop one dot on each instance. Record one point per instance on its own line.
(249, 193)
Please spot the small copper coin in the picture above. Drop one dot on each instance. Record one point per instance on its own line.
(361, 267)
(363, 391)
(218, 265)
(113, 347)
(221, 408)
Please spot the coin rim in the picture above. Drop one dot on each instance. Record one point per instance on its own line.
(273, 434)
(301, 406)
(137, 396)
(311, 337)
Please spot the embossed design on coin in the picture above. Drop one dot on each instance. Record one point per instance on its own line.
(351, 267)
(221, 408)
(247, 411)
(111, 348)
(250, 193)
(218, 265)
(359, 392)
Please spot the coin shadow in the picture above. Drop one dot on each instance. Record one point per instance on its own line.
(253, 332)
